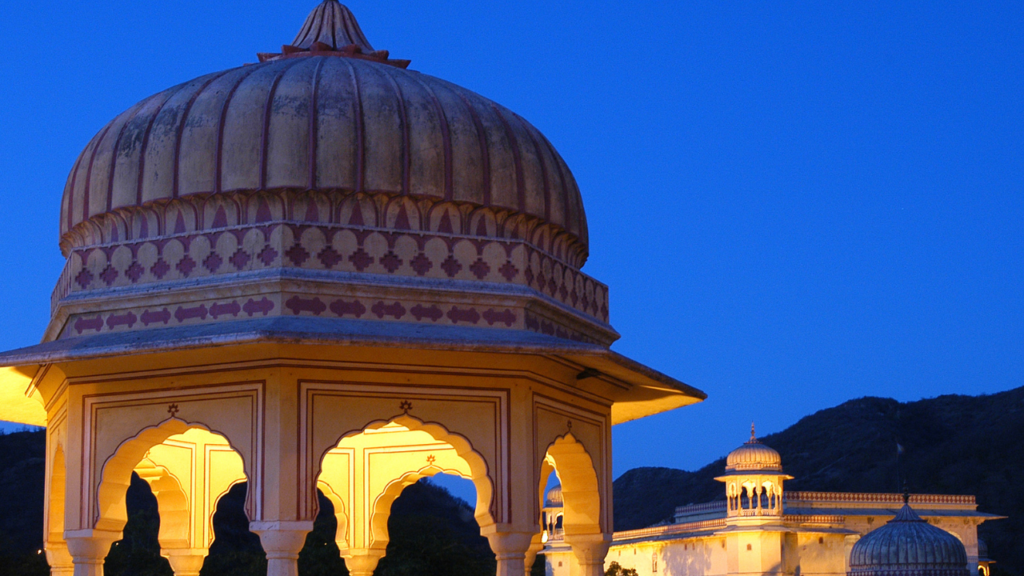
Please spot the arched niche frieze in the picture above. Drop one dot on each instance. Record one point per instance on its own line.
(446, 218)
(311, 207)
(357, 210)
(217, 211)
(207, 212)
(402, 213)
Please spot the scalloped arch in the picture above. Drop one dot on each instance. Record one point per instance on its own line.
(110, 513)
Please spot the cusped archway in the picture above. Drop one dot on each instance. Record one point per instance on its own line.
(188, 468)
(367, 470)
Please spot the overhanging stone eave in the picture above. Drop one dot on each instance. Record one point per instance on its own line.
(642, 390)
(635, 390)
(294, 330)
(19, 402)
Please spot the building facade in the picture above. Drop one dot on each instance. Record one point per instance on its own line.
(760, 529)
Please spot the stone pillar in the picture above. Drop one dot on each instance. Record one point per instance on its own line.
(590, 550)
(362, 561)
(510, 550)
(89, 548)
(282, 542)
(186, 561)
(60, 560)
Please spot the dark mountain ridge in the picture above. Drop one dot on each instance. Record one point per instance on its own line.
(951, 445)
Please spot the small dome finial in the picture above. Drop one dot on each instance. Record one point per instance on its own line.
(753, 436)
(332, 30)
(331, 24)
(906, 493)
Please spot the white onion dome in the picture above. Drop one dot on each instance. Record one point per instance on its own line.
(908, 546)
(753, 456)
(553, 499)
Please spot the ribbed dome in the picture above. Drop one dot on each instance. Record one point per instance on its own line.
(983, 551)
(329, 181)
(308, 119)
(553, 498)
(753, 456)
(907, 545)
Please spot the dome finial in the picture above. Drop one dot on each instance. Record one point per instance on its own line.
(753, 436)
(332, 24)
(906, 493)
(331, 29)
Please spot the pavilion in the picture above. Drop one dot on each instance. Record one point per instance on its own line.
(324, 271)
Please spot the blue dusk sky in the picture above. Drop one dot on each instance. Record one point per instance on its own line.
(793, 204)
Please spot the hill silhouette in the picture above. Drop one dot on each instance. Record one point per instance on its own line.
(952, 445)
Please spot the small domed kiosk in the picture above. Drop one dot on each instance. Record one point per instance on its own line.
(324, 271)
(908, 546)
(553, 514)
(753, 480)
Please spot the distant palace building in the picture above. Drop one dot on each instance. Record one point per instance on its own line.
(760, 529)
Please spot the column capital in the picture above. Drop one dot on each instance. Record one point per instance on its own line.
(282, 541)
(589, 550)
(60, 560)
(186, 561)
(89, 549)
(510, 551)
(90, 546)
(361, 561)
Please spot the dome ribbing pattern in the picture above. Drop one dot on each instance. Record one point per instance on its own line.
(310, 120)
(753, 456)
(908, 546)
(553, 498)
